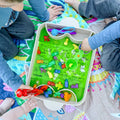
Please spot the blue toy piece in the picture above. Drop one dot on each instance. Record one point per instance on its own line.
(66, 83)
(80, 47)
(57, 71)
(60, 64)
(47, 93)
(55, 32)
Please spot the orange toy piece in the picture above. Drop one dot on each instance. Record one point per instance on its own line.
(67, 96)
(39, 61)
(44, 87)
(38, 51)
(34, 86)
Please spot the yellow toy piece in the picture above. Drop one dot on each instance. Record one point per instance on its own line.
(75, 46)
(66, 42)
(59, 85)
(50, 74)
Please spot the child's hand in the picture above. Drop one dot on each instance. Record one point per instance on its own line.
(26, 87)
(85, 45)
(29, 105)
(54, 11)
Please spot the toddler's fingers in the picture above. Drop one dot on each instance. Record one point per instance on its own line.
(25, 87)
(27, 97)
(58, 13)
(59, 9)
(54, 7)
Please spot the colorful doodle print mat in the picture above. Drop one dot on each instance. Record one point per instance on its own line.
(100, 86)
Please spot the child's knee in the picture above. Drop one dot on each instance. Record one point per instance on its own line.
(105, 63)
(110, 65)
(29, 31)
(11, 54)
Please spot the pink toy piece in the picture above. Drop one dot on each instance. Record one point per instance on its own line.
(7, 88)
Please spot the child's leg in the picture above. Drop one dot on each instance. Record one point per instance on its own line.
(73, 3)
(98, 8)
(22, 28)
(17, 112)
(7, 46)
(110, 58)
(6, 104)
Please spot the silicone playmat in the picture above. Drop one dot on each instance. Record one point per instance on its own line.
(61, 63)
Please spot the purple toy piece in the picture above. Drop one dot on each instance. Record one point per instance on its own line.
(42, 70)
(72, 33)
(55, 58)
(62, 95)
(74, 86)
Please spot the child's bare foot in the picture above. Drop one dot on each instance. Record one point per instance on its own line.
(73, 3)
(108, 20)
(6, 105)
(29, 105)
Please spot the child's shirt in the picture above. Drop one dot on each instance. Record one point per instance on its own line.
(107, 35)
(8, 16)
(13, 17)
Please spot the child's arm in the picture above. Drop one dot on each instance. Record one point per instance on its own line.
(107, 35)
(17, 112)
(41, 11)
(8, 76)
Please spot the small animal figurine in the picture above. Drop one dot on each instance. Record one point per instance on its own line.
(38, 51)
(25, 92)
(46, 38)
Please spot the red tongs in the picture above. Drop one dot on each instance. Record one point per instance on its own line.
(35, 91)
